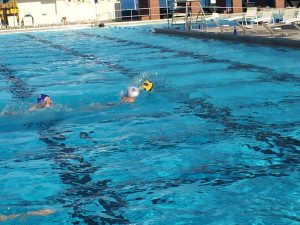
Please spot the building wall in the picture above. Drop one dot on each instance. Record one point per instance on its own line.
(143, 6)
(154, 9)
(31, 7)
(75, 10)
(279, 3)
(107, 9)
(149, 9)
(52, 11)
(195, 7)
(48, 10)
(237, 6)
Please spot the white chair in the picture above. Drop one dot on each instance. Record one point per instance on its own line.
(293, 20)
(251, 14)
(288, 17)
(266, 17)
(288, 14)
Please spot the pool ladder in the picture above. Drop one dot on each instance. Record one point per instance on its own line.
(183, 13)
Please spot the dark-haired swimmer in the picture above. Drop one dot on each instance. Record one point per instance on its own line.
(43, 101)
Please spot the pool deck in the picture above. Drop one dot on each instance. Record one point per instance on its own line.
(44, 28)
(58, 27)
(285, 37)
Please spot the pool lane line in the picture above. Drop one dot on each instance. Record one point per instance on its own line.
(237, 124)
(223, 176)
(202, 108)
(207, 175)
(71, 82)
(113, 66)
(18, 87)
(232, 65)
(216, 177)
(76, 175)
(148, 46)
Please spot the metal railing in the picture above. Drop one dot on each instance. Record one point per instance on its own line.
(166, 12)
(137, 15)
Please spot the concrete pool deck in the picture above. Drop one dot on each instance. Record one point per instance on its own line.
(58, 27)
(287, 37)
(45, 28)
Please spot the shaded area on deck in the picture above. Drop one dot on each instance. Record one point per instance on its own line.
(285, 38)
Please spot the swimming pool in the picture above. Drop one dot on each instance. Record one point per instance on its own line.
(216, 142)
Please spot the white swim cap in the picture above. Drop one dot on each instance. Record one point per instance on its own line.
(133, 92)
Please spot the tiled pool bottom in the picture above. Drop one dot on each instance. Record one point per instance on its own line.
(216, 142)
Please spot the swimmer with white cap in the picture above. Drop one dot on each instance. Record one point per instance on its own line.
(133, 92)
(43, 101)
(129, 96)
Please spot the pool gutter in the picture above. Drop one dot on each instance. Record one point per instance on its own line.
(46, 28)
(78, 26)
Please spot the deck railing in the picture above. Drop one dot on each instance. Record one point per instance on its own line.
(130, 15)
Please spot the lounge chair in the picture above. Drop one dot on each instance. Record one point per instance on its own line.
(250, 15)
(266, 17)
(293, 20)
(288, 14)
(288, 17)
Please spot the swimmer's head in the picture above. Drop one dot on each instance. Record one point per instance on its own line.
(147, 85)
(44, 100)
(133, 92)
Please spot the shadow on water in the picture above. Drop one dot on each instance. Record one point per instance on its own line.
(76, 174)
(18, 87)
(274, 76)
(88, 57)
(283, 147)
(108, 204)
(204, 58)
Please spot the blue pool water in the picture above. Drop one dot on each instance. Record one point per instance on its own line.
(216, 142)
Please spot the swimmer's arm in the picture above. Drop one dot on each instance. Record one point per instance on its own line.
(32, 108)
(124, 99)
(127, 99)
(43, 212)
(102, 106)
(36, 106)
(8, 217)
